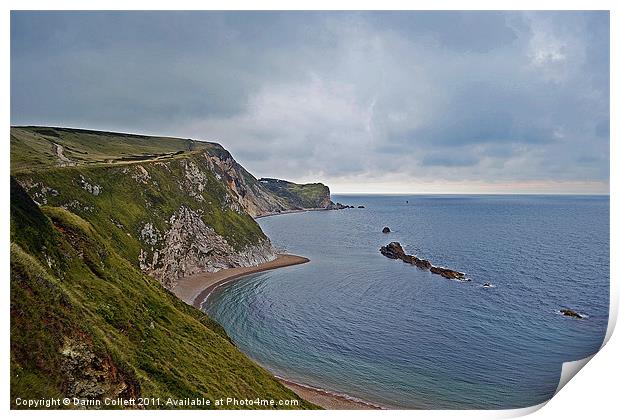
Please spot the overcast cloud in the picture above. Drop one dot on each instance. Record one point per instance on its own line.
(367, 102)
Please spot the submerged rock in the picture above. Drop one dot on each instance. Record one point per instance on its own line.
(570, 313)
(386, 230)
(396, 252)
(361, 207)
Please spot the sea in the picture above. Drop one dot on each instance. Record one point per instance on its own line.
(355, 323)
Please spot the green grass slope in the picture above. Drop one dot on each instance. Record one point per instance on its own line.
(130, 188)
(300, 196)
(37, 147)
(86, 323)
(123, 202)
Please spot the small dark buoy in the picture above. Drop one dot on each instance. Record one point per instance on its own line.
(386, 230)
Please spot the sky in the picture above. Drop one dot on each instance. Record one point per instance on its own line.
(366, 102)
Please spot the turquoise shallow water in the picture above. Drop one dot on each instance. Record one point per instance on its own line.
(354, 322)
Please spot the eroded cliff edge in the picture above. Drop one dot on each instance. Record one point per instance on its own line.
(172, 207)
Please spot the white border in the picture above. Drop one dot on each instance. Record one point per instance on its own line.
(593, 395)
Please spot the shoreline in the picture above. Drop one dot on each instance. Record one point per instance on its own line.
(194, 290)
(290, 212)
(327, 399)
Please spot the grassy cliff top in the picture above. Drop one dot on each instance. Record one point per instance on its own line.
(313, 195)
(35, 148)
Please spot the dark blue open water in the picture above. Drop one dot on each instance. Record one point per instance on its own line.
(355, 322)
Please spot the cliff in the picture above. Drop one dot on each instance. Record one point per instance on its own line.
(299, 196)
(87, 324)
(101, 225)
(172, 207)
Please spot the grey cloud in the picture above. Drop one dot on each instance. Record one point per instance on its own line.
(449, 159)
(602, 129)
(334, 95)
(478, 32)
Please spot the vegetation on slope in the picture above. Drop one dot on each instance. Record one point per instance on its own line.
(86, 323)
(38, 147)
(34, 149)
(300, 196)
(133, 202)
(132, 189)
(119, 200)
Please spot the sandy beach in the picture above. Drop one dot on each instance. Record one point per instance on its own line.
(194, 289)
(325, 399)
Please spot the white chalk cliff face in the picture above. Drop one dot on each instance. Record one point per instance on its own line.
(190, 247)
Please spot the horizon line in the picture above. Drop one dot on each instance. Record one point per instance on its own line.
(471, 193)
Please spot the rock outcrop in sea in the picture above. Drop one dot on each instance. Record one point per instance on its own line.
(339, 206)
(386, 230)
(570, 313)
(395, 251)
